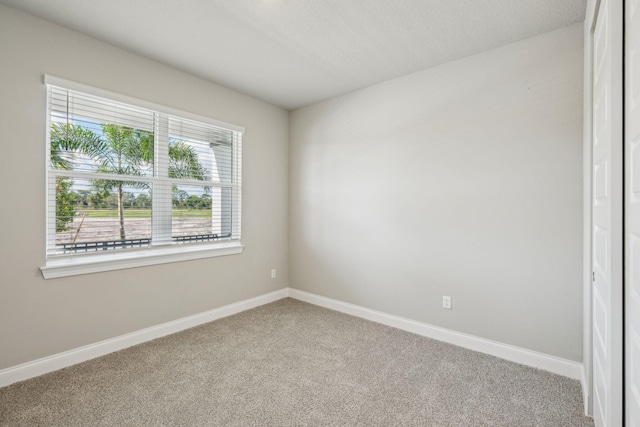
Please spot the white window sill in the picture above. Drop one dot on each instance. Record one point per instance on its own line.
(118, 260)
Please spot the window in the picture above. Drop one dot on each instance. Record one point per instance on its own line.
(131, 183)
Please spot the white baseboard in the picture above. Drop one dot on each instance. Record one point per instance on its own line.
(520, 355)
(91, 351)
(523, 356)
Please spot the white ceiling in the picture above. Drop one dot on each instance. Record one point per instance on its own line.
(295, 52)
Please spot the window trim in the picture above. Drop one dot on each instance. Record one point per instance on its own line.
(68, 265)
(95, 263)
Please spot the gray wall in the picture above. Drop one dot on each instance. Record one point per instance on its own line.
(461, 180)
(39, 318)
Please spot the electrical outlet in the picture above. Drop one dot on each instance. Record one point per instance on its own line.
(446, 302)
(273, 273)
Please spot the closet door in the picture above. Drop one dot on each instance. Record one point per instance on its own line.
(632, 212)
(607, 246)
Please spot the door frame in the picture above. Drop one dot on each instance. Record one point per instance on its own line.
(587, 365)
(591, 16)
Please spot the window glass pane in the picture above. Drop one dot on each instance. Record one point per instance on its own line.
(199, 151)
(200, 213)
(94, 215)
(190, 159)
(101, 137)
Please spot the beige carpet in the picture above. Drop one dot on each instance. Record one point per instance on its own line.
(294, 364)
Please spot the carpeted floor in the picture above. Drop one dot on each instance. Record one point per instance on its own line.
(294, 364)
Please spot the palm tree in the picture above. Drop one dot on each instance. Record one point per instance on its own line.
(121, 150)
(67, 139)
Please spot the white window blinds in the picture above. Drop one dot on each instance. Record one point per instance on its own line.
(128, 176)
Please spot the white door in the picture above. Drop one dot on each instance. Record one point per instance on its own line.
(632, 213)
(607, 250)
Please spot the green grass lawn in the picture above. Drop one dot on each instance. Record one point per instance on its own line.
(144, 213)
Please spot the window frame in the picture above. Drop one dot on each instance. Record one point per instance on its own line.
(62, 265)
